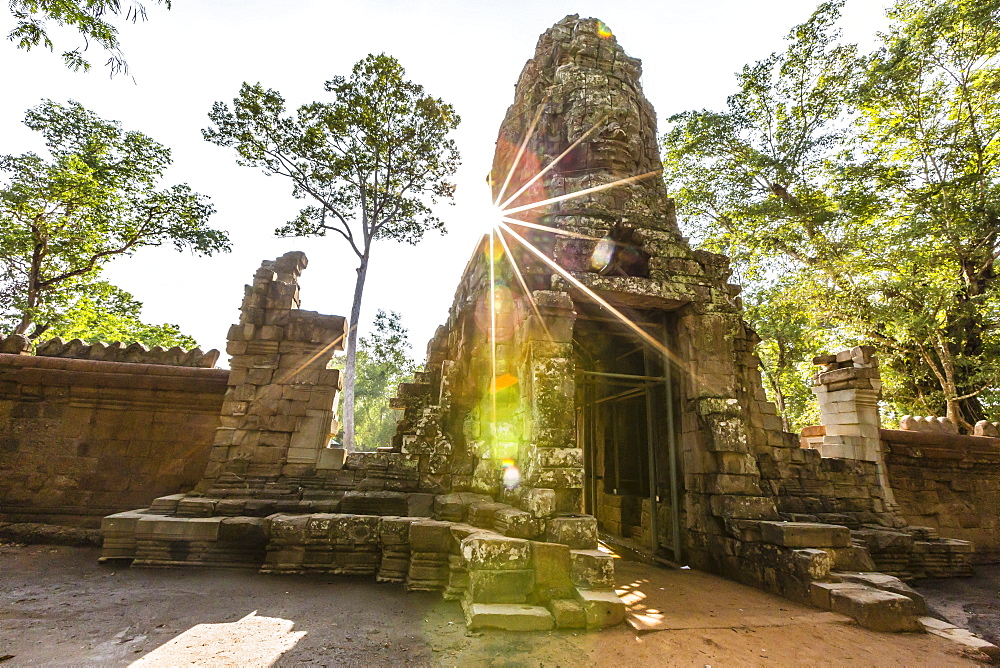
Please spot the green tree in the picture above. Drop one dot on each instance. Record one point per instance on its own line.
(866, 188)
(372, 162)
(94, 198)
(765, 182)
(89, 17)
(932, 119)
(383, 362)
(106, 313)
(790, 339)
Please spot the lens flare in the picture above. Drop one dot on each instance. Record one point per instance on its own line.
(603, 253)
(511, 475)
(603, 31)
(502, 382)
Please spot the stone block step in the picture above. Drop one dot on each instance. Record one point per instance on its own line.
(507, 616)
(805, 534)
(885, 583)
(875, 609)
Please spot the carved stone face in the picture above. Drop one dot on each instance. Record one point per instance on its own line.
(584, 86)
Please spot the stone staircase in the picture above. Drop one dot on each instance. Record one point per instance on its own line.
(548, 574)
(820, 564)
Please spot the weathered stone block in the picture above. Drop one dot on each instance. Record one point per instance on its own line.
(819, 592)
(494, 552)
(331, 459)
(249, 532)
(450, 507)
(539, 502)
(556, 478)
(811, 564)
(517, 523)
(601, 608)
(552, 565)
(506, 586)
(430, 536)
(178, 528)
(592, 569)
(805, 534)
(509, 617)
(568, 613)
(887, 583)
(742, 507)
(876, 610)
(579, 532)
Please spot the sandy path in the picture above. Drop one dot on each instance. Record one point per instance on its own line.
(59, 607)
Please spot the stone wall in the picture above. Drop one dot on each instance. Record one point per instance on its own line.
(948, 482)
(82, 438)
(278, 412)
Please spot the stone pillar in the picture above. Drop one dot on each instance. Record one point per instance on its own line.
(551, 459)
(848, 389)
(278, 411)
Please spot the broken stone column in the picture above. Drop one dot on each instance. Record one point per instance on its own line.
(848, 389)
(277, 416)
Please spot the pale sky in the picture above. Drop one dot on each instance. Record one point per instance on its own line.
(467, 53)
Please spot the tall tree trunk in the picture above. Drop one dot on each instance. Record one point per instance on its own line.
(352, 355)
(22, 326)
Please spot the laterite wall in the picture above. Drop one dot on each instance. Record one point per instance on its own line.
(80, 439)
(948, 482)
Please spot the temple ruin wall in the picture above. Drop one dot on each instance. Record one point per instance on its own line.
(949, 482)
(81, 438)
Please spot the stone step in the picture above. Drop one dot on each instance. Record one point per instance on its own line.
(871, 608)
(413, 390)
(885, 583)
(507, 616)
(805, 534)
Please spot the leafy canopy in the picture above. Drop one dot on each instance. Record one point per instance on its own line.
(860, 191)
(89, 17)
(95, 196)
(372, 161)
(104, 312)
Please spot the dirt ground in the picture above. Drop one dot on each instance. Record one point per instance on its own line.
(971, 603)
(59, 607)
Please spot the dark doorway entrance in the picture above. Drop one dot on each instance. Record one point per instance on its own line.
(627, 424)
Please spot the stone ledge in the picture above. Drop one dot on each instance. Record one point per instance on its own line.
(805, 534)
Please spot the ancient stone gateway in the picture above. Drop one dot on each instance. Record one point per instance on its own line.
(594, 370)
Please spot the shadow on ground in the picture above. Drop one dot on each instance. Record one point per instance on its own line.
(59, 607)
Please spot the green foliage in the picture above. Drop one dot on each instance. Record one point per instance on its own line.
(858, 196)
(89, 17)
(372, 163)
(94, 198)
(383, 363)
(375, 152)
(106, 313)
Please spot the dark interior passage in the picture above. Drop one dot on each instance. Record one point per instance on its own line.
(623, 425)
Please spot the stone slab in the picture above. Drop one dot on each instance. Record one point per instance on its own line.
(154, 527)
(507, 616)
(805, 534)
(494, 552)
(887, 583)
(602, 608)
(876, 610)
(512, 586)
(331, 459)
(568, 614)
